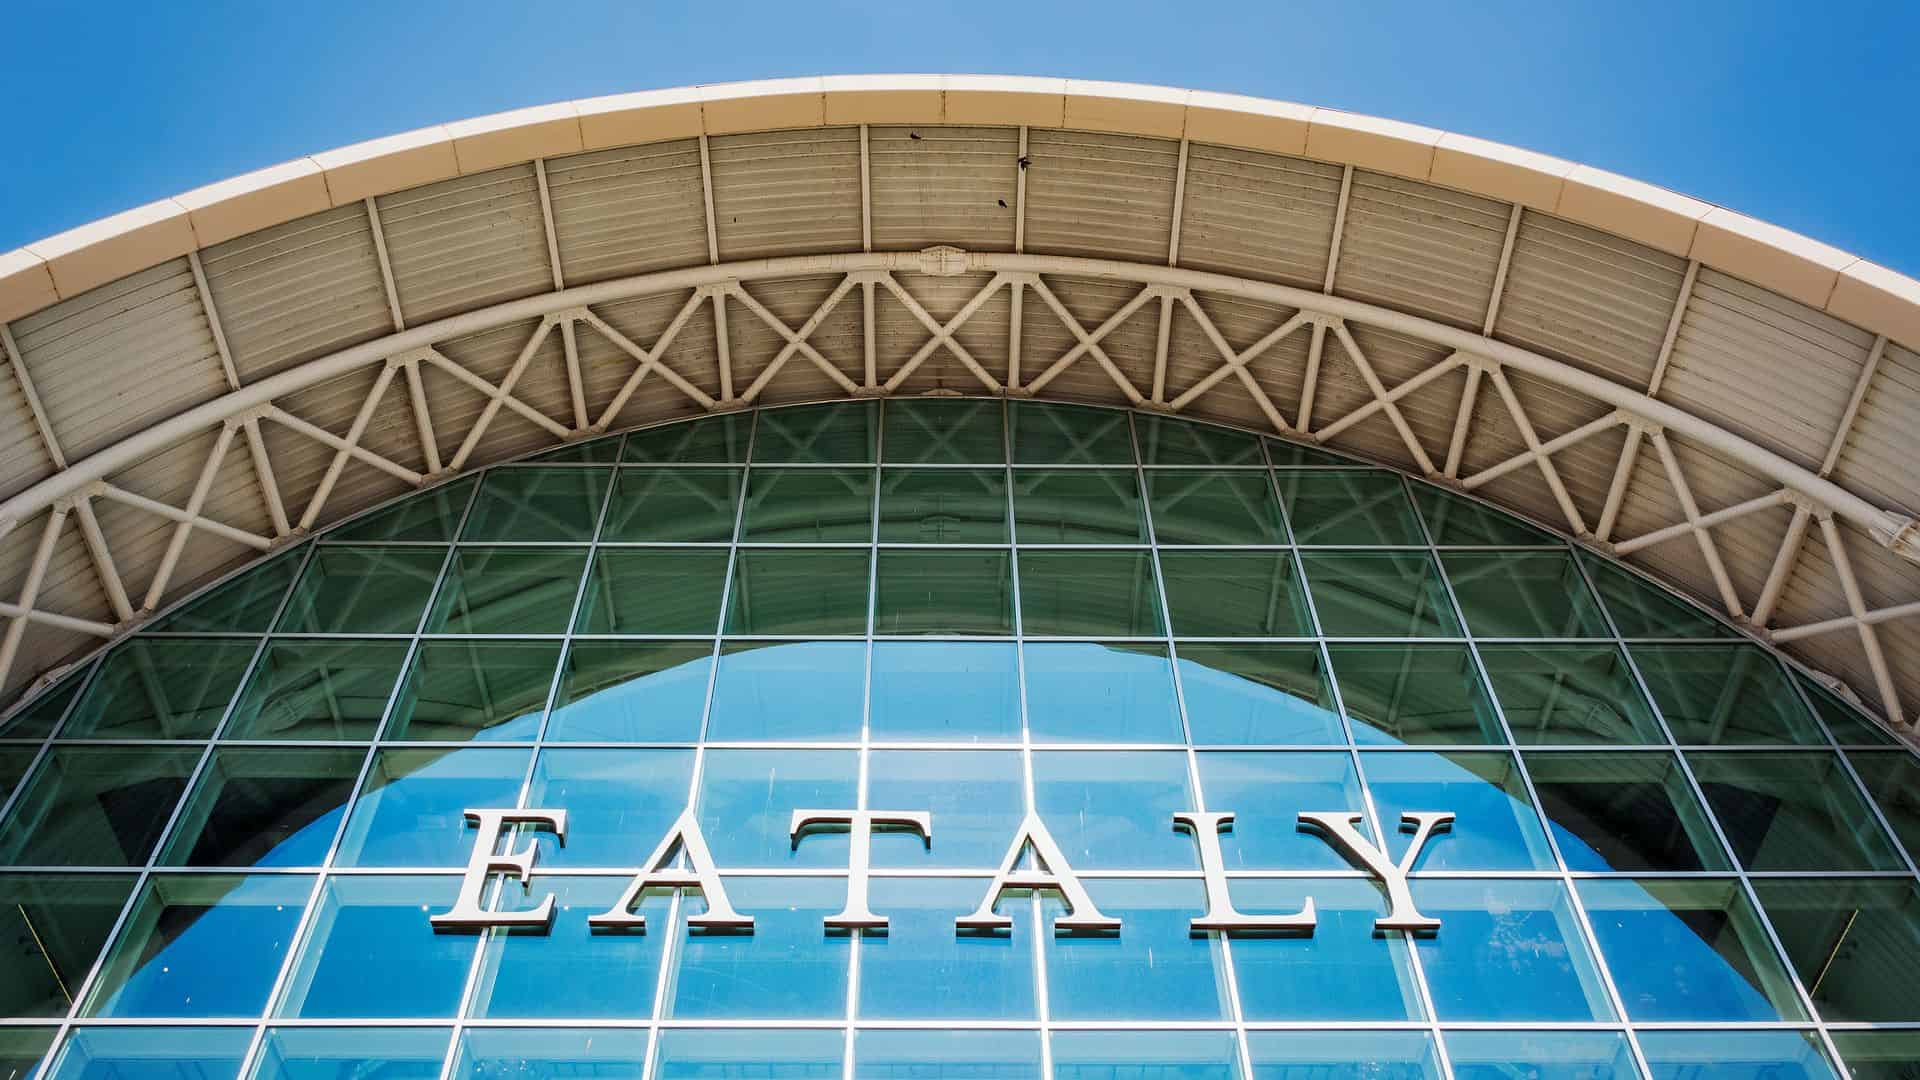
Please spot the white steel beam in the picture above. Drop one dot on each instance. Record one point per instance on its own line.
(1708, 549)
(942, 334)
(796, 340)
(648, 360)
(1673, 328)
(177, 543)
(213, 321)
(263, 472)
(1845, 622)
(1857, 606)
(40, 422)
(1544, 460)
(498, 396)
(30, 589)
(1379, 393)
(103, 565)
(1089, 344)
(1462, 421)
(1500, 272)
(1754, 505)
(104, 490)
(386, 264)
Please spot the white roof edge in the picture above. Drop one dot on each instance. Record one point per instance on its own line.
(58, 267)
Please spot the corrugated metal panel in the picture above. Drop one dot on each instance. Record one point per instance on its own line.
(1494, 437)
(113, 360)
(605, 368)
(629, 210)
(70, 587)
(1773, 370)
(1103, 196)
(1258, 215)
(1420, 248)
(1882, 456)
(1130, 345)
(23, 456)
(297, 291)
(1813, 594)
(300, 462)
(491, 355)
(139, 539)
(1597, 301)
(1279, 371)
(786, 192)
(467, 242)
(898, 335)
(943, 185)
(1746, 545)
(753, 344)
(1394, 358)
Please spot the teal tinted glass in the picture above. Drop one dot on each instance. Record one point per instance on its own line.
(502, 590)
(161, 688)
(1570, 694)
(1848, 939)
(1724, 694)
(256, 806)
(244, 605)
(935, 431)
(151, 1053)
(1789, 810)
(796, 591)
(767, 1054)
(631, 691)
(808, 506)
(1078, 506)
(333, 690)
(1348, 506)
(1258, 693)
(22, 1049)
(1848, 724)
(1089, 594)
(945, 691)
(331, 1053)
(711, 440)
(433, 514)
(943, 506)
(944, 592)
(1642, 610)
(1203, 506)
(681, 506)
(537, 504)
(1893, 780)
(55, 926)
(1235, 594)
(817, 434)
(1879, 1055)
(1069, 435)
(1632, 812)
(1167, 441)
(1688, 951)
(200, 945)
(14, 762)
(1456, 521)
(362, 590)
(1379, 594)
(95, 806)
(1088, 692)
(1495, 827)
(788, 690)
(592, 452)
(37, 718)
(474, 691)
(1292, 455)
(1534, 594)
(1735, 1055)
(632, 591)
(1413, 694)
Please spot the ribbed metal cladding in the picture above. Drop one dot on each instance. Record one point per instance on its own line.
(1421, 248)
(1106, 196)
(628, 210)
(1129, 345)
(23, 455)
(1775, 371)
(70, 586)
(898, 335)
(1259, 215)
(1813, 594)
(1597, 301)
(943, 185)
(786, 192)
(145, 337)
(297, 291)
(466, 242)
(1881, 458)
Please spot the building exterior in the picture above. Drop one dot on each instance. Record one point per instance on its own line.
(955, 578)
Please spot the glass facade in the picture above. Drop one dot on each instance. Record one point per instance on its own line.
(1672, 854)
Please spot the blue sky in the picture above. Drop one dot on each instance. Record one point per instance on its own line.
(1805, 115)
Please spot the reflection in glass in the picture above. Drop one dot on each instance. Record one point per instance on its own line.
(660, 591)
(503, 590)
(789, 968)
(1547, 1055)
(22, 1049)
(1508, 950)
(892, 1054)
(778, 1054)
(265, 807)
(1725, 695)
(1192, 506)
(747, 800)
(200, 945)
(976, 799)
(1413, 694)
(619, 802)
(1642, 609)
(681, 506)
(944, 432)
(362, 590)
(944, 592)
(334, 690)
(372, 953)
(1848, 725)
(1258, 693)
(1494, 825)
(1267, 791)
(52, 927)
(411, 811)
(1165, 1055)
(1535, 594)
(817, 434)
(1235, 594)
(808, 506)
(1113, 809)
(1850, 940)
(537, 504)
(160, 688)
(1047, 434)
(1379, 594)
(95, 806)
(798, 591)
(573, 970)
(36, 719)
(245, 604)
(1088, 692)
(1735, 1055)
(551, 1053)
(1089, 593)
(1456, 521)
(1893, 779)
(631, 691)
(1348, 506)
(922, 969)
(1879, 1055)
(1623, 811)
(945, 691)
(1343, 1055)
(709, 440)
(432, 514)
(1078, 506)
(330, 1053)
(1167, 441)
(151, 1053)
(788, 690)
(1787, 810)
(1344, 970)
(943, 506)
(1688, 950)
(1154, 968)
(474, 691)
(1569, 694)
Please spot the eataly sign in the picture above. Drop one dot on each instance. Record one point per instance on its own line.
(1049, 871)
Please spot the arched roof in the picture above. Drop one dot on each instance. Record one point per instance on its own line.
(1724, 403)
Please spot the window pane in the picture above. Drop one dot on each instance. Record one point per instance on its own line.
(653, 592)
(921, 968)
(14, 762)
(1113, 809)
(944, 592)
(1153, 969)
(747, 800)
(1643, 610)
(789, 968)
(945, 691)
(798, 592)
(788, 690)
(943, 506)
(1507, 950)
(537, 504)
(1165, 1055)
(1893, 779)
(1537, 594)
(54, 926)
(809, 506)
(1088, 692)
(370, 590)
(1379, 594)
(433, 514)
(1089, 593)
(1735, 1055)
(152, 1053)
(1546, 1055)
(784, 1054)
(39, 717)
(1850, 939)
(1494, 825)
(1077, 506)
(713, 439)
(1848, 724)
(1045, 434)
(161, 688)
(334, 690)
(812, 434)
(672, 506)
(474, 691)
(1235, 594)
(307, 1053)
(377, 926)
(1343, 1055)
(947, 1055)
(1350, 506)
(592, 452)
(1724, 694)
(1624, 812)
(1263, 694)
(1879, 1055)
(245, 604)
(1167, 441)
(1292, 455)
(551, 1053)
(412, 811)
(573, 971)
(976, 799)
(1688, 950)
(22, 1049)
(1792, 811)
(1343, 971)
(265, 807)
(95, 806)
(1203, 507)
(933, 431)
(631, 691)
(619, 803)
(1267, 791)
(200, 945)
(1414, 694)
(508, 591)
(1582, 694)
(1454, 520)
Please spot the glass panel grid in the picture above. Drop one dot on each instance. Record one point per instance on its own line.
(1087, 440)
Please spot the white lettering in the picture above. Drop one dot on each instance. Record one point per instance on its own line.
(1337, 827)
(1221, 915)
(466, 913)
(1053, 873)
(659, 873)
(860, 825)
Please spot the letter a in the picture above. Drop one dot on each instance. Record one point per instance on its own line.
(1054, 873)
(1337, 827)
(657, 873)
